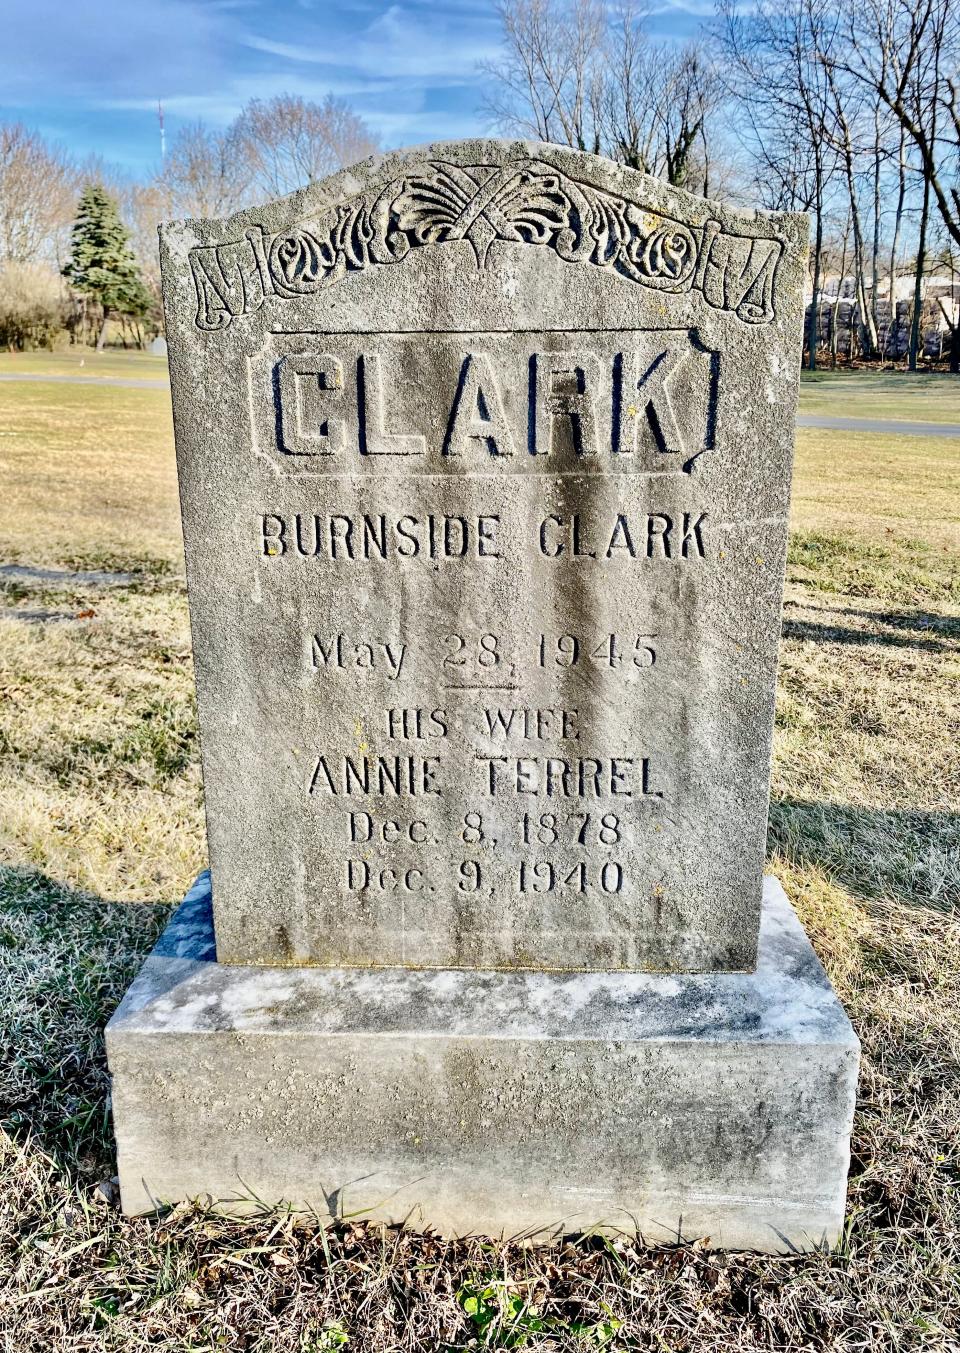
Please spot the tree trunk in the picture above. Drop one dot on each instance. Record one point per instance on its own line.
(875, 260)
(836, 305)
(928, 174)
(918, 280)
(859, 247)
(954, 330)
(859, 261)
(813, 334)
(103, 330)
(898, 219)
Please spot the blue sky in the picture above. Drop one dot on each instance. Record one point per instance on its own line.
(88, 73)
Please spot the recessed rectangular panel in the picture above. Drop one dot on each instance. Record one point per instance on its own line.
(485, 542)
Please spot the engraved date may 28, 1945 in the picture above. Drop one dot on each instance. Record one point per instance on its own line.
(483, 652)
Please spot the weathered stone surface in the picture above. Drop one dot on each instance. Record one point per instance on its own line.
(484, 452)
(681, 1105)
(484, 455)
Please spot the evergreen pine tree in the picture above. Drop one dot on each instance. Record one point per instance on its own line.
(101, 263)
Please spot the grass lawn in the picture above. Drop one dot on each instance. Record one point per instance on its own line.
(925, 397)
(87, 473)
(85, 362)
(101, 810)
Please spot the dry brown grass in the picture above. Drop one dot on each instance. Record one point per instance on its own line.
(101, 786)
(101, 800)
(86, 362)
(881, 485)
(87, 473)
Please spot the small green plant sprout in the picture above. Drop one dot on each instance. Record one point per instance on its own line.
(598, 1333)
(333, 1335)
(503, 1318)
(500, 1316)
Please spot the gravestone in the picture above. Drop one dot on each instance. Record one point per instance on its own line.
(484, 453)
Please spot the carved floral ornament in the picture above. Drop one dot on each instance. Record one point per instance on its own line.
(528, 203)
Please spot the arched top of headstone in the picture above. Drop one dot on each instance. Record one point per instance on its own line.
(484, 196)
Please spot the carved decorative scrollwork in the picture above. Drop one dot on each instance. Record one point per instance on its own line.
(529, 203)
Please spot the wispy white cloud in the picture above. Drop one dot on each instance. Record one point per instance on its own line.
(397, 128)
(62, 50)
(696, 9)
(400, 43)
(89, 72)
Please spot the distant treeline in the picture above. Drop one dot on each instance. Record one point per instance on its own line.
(273, 147)
(846, 109)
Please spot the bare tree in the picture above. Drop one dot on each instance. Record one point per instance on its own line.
(895, 241)
(142, 207)
(627, 113)
(850, 104)
(913, 350)
(287, 142)
(572, 74)
(907, 52)
(899, 55)
(205, 174)
(841, 127)
(546, 84)
(37, 196)
(33, 306)
(835, 313)
(686, 95)
(949, 261)
(770, 68)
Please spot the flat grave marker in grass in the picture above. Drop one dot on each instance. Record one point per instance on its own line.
(484, 458)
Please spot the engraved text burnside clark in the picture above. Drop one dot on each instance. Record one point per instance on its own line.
(573, 538)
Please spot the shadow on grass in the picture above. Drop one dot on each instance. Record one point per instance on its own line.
(910, 857)
(920, 621)
(840, 634)
(913, 628)
(66, 959)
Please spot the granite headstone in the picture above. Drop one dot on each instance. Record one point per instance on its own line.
(484, 455)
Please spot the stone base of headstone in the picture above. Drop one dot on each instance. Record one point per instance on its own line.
(498, 1103)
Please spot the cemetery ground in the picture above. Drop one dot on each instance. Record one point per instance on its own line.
(101, 829)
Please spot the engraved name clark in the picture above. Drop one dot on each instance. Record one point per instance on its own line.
(519, 205)
(575, 404)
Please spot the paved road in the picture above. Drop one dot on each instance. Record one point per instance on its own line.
(133, 382)
(27, 573)
(804, 420)
(895, 425)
